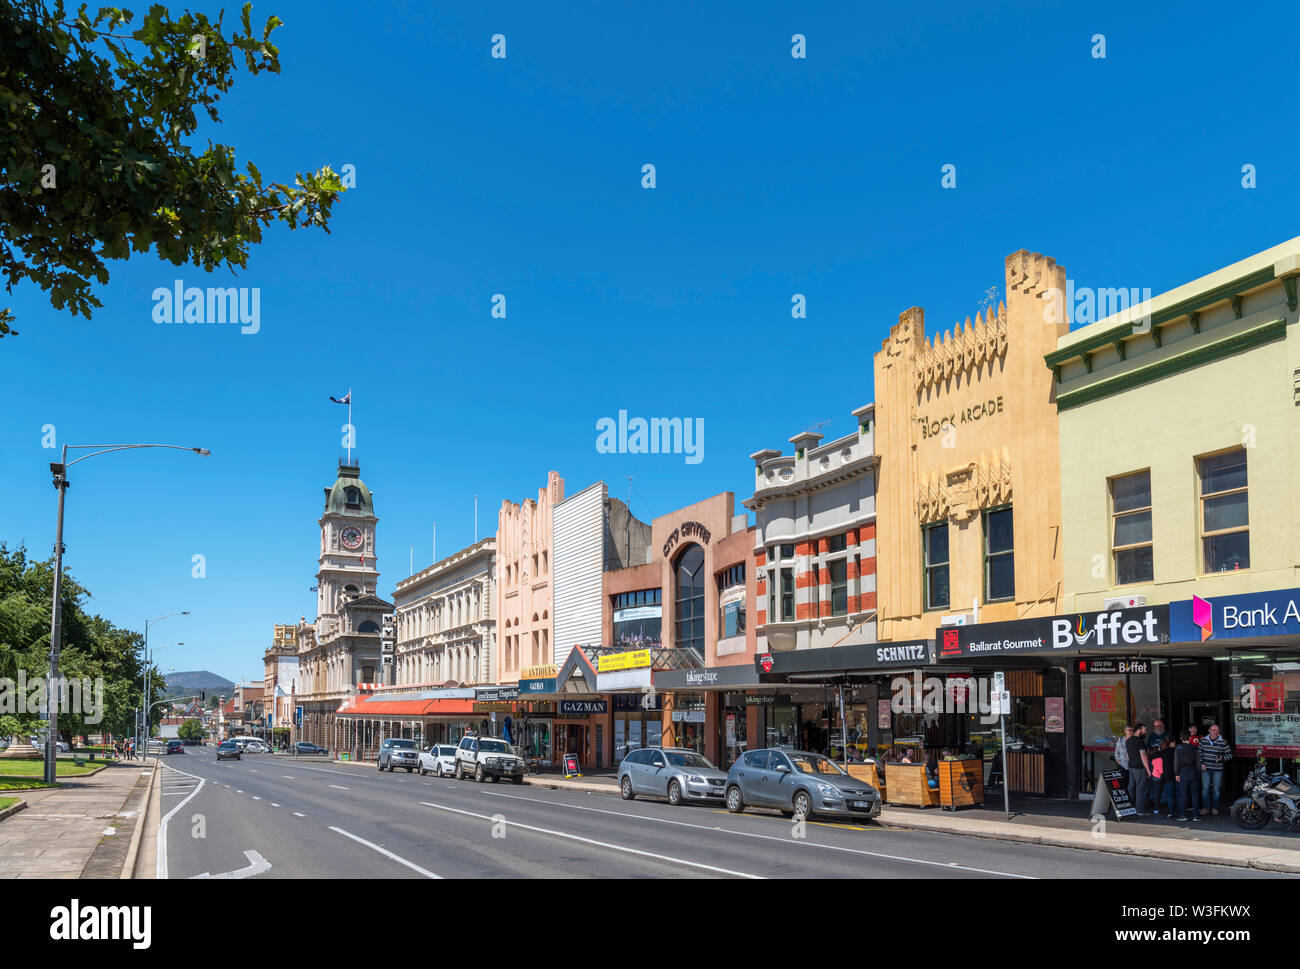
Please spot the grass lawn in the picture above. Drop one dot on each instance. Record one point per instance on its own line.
(6, 802)
(19, 774)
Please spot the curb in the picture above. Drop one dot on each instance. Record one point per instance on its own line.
(1036, 836)
(12, 809)
(133, 853)
(1151, 848)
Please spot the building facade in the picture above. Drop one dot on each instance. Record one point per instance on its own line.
(524, 558)
(280, 673)
(1180, 455)
(447, 619)
(344, 647)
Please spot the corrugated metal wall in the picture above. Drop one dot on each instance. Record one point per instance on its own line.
(578, 537)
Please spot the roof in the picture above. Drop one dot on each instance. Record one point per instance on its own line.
(412, 704)
(336, 497)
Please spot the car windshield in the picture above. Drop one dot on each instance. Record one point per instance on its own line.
(678, 759)
(816, 764)
(495, 747)
(402, 744)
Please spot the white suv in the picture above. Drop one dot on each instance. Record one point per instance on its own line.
(484, 757)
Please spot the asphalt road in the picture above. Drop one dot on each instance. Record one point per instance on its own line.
(270, 816)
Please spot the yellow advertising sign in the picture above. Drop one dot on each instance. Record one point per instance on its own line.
(631, 660)
(539, 672)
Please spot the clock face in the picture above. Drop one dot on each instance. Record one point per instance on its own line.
(351, 537)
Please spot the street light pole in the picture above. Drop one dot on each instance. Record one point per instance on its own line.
(60, 472)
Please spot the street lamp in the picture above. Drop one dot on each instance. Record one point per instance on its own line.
(143, 724)
(60, 472)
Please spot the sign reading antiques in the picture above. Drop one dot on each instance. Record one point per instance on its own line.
(1111, 629)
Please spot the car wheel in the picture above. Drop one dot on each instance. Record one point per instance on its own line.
(496, 778)
(735, 803)
(458, 773)
(423, 772)
(674, 794)
(802, 806)
(478, 774)
(625, 788)
(379, 765)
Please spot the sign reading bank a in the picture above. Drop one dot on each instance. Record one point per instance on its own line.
(1255, 614)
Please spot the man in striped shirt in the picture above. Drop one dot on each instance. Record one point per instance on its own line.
(1211, 754)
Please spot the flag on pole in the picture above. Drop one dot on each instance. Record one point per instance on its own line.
(345, 399)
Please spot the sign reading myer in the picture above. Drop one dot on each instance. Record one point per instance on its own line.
(634, 659)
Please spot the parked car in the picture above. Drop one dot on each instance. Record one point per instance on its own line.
(303, 747)
(251, 745)
(175, 746)
(484, 757)
(396, 752)
(798, 784)
(190, 742)
(227, 749)
(676, 773)
(439, 759)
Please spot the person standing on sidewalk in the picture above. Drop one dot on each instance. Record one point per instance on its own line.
(1139, 769)
(1212, 753)
(1185, 775)
(1121, 751)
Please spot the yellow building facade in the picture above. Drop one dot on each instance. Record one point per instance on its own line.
(968, 505)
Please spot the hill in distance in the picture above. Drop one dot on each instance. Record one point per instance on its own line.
(192, 681)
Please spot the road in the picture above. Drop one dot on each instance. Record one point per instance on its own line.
(278, 817)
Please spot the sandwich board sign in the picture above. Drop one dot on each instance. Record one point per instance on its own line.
(571, 766)
(1111, 793)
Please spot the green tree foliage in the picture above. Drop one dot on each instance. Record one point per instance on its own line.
(94, 161)
(190, 730)
(93, 648)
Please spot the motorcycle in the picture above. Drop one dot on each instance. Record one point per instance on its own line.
(1268, 797)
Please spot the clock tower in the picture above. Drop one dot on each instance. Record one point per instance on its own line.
(347, 543)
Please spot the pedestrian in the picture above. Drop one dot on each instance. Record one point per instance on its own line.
(1158, 735)
(1163, 763)
(1212, 753)
(1139, 768)
(1189, 790)
(1121, 749)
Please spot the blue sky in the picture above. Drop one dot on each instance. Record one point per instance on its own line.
(522, 176)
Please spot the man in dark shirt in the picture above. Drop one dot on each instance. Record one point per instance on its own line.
(1139, 767)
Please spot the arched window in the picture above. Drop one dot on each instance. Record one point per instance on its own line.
(369, 626)
(689, 600)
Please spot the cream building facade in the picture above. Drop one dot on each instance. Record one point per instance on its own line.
(446, 620)
(525, 554)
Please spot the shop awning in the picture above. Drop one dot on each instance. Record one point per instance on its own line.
(845, 660)
(396, 707)
(736, 677)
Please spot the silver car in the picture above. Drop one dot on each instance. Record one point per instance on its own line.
(676, 773)
(396, 752)
(799, 785)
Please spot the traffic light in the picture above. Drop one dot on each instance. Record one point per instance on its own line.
(203, 696)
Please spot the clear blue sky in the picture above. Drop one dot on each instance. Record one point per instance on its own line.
(522, 176)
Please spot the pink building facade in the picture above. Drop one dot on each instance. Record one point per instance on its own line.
(525, 609)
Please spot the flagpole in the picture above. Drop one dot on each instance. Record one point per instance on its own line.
(351, 429)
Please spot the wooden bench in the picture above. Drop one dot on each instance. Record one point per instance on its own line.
(908, 786)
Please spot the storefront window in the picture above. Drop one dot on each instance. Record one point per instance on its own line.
(935, 541)
(781, 727)
(1225, 534)
(690, 600)
(999, 556)
(638, 619)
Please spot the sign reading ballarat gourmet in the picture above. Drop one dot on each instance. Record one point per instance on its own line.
(1112, 629)
(493, 694)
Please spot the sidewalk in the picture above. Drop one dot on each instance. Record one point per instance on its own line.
(1214, 841)
(79, 830)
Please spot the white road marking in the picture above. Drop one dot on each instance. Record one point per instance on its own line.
(298, 814)
(161, 871)
(256, 865)
(256, 798)
(387, 854)
(341, 788)
(287, 777)
(764, 837)
(275, 805)
(599, 844)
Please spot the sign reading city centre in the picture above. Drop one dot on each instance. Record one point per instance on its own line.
(1113, 629)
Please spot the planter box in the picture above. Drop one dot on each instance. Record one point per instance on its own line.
(869, 773)
(961, 783)
(907, 785)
